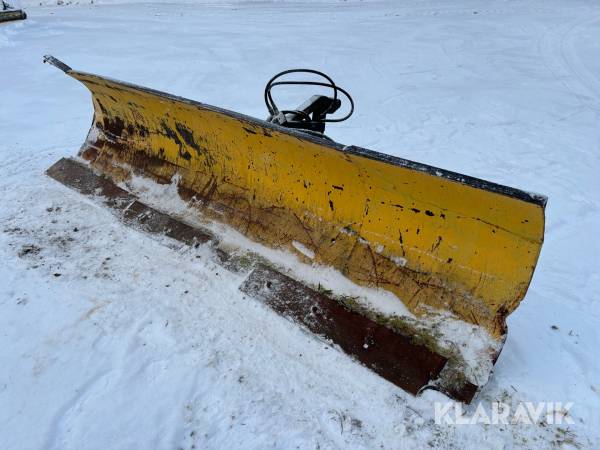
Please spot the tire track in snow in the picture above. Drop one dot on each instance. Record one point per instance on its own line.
(573, 61)
(56, 432)
(565, 66)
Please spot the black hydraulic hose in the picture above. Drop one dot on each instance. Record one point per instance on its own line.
(272, 107)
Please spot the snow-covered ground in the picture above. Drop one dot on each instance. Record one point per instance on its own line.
(110, 338)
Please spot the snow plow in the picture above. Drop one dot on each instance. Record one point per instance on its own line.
(456, 251)
(8, 12)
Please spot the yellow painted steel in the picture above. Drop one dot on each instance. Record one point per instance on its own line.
(434, 242)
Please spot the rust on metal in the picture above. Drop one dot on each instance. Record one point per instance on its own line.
(81, 178)
(391, 355)
(437, 240)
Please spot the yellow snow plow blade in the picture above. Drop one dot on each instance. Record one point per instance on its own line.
(436, 239)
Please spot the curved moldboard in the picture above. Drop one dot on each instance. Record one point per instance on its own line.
(436, 239)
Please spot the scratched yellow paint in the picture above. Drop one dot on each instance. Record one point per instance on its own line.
(432, 241)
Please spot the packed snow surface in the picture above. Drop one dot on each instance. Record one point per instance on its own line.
(111, 338)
